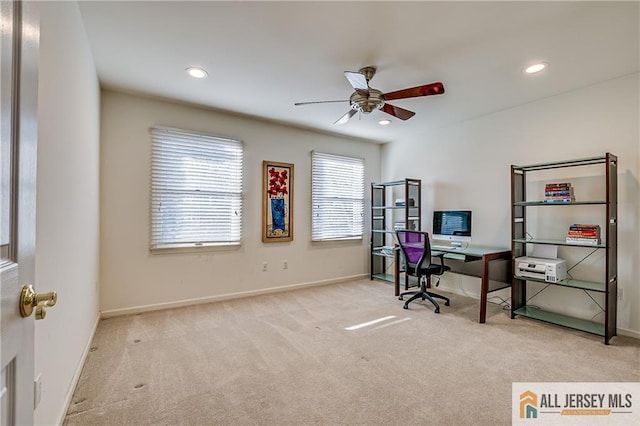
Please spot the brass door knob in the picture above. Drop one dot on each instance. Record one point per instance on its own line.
(29, 299)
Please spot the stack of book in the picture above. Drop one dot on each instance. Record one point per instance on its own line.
(558, 193)
(587, 235)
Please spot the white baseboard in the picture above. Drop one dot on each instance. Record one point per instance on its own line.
(76, 375)
(210, 299)
(455, 290)
(628, 333)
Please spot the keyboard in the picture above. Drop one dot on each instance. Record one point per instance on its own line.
(444, 248)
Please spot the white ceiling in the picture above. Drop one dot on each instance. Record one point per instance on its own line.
(262, 57)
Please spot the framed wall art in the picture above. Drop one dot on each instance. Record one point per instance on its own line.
(277, 202)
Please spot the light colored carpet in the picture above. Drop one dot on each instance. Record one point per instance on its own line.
(287, 359)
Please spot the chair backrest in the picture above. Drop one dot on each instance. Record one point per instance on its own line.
(415, 247)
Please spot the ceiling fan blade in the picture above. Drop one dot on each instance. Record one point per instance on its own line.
(319, 102)
(401, 113)
(426, 90)
(358, 81)
(346, 117)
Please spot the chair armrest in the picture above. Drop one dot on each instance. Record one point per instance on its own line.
(440, 255)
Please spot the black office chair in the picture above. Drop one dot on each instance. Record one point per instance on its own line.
(417, 262)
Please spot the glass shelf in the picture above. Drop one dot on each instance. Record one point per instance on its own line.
(583, 285)
(386, 252)
(557, 243)
(410, 182)
(559, 319)
(543, 203)
(384, 277)
(392, 207)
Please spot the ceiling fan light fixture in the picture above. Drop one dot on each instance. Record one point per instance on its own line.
(535, 68)
(367, 102)
(196, 72)
(366, 99)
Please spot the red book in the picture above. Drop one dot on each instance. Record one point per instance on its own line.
(558, 185)
(571, 232)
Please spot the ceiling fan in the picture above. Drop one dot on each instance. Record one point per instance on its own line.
(366, 99)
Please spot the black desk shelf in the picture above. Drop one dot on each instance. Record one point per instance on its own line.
(521, 240)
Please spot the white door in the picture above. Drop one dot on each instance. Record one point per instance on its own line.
(18, 133)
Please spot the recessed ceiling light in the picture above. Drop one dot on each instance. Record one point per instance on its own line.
(384, 122)
(196, 72)
(532, 69)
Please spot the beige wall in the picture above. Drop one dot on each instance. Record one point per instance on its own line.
(132, 277)
(466, 166)
(67, 204)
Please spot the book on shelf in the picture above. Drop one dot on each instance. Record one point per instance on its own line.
(560, 185)
(595, 228)
(559, 200)
(584, 226)
(559, 197)
(400, 202)
(583, 241)
(584, 234)
(558, 193)
(584, 229)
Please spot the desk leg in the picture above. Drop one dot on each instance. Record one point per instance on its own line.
(484, 290)
(396, 272)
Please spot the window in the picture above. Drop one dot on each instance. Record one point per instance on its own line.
(337, 196)
(196, 189)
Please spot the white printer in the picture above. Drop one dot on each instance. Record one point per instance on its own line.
(550, 270)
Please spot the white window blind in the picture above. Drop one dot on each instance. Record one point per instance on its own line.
(337, 196)
(196, 189)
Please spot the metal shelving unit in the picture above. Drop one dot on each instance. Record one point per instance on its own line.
(385, 214)
(519, 240)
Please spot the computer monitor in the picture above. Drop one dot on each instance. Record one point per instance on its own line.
(452, 225)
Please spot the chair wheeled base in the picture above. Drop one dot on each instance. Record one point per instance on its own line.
(424, 295)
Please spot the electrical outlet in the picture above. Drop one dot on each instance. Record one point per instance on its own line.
(264, 266)
(285, 264)
(620, 294)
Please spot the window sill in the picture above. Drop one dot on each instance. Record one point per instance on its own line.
(335, 240)
(195, 249)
